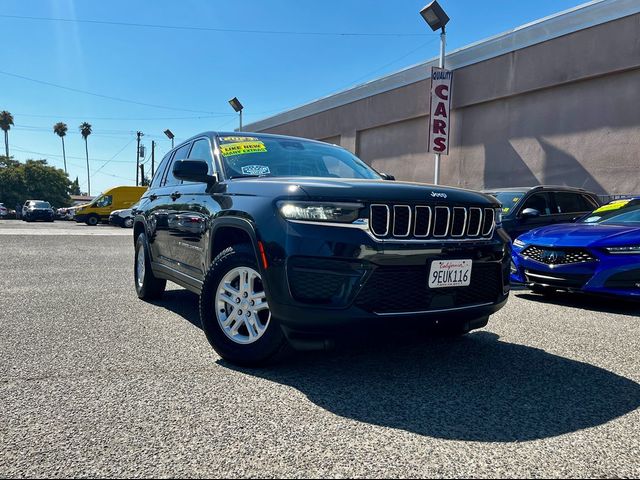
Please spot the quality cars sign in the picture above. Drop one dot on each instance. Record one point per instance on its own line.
(440, 119)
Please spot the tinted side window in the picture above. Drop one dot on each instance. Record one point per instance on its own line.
(180, 154)
(538, 201)
(157, 177)
(201, 150)
(568, 202)
(589, 203)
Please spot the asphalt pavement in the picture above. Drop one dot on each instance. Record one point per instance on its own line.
(94, 382)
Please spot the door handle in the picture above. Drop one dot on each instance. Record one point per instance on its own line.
(153, 197)
(175, 196)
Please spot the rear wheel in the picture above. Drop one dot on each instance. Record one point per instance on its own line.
(93, 220)
(234, 311)
(148, 286)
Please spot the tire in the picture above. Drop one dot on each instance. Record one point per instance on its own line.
(258, 339)
(93, 220)
(128, 223)
(148, 286)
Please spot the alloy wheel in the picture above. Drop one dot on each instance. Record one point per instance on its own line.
(241, 306)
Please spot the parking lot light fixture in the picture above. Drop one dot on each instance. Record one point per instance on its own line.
(435, 16)
(170, 135)
(237, 106)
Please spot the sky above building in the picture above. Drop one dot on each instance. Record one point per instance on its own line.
(127, 66)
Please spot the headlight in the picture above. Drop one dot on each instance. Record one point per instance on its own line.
(617, 250)
(498, 216)
(519, 243)
(320, 212)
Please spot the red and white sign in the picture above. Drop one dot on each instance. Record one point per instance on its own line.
(440, 119)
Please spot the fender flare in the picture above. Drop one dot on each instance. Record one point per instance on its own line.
(239, 223)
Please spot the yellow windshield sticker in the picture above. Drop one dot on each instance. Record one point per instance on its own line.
(516, 199)
(505, 209)
(615, 205)
(242, 148)
(239, 139)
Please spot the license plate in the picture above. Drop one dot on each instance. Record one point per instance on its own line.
(450, 273)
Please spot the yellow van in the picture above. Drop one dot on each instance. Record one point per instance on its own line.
(115, 198)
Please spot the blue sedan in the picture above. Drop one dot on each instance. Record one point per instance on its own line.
(600, 254)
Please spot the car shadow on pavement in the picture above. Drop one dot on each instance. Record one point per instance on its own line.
(585, 302)
(181, 302)
(474, 388)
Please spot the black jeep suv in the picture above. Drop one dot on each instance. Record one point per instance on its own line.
(286, 239)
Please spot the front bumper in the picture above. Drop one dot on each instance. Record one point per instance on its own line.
(116, 220)
(617, 275)
(329, 277)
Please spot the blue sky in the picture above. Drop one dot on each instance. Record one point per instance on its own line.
(195, 72)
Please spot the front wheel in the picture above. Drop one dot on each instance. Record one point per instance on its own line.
(93, 220)
(148, 286)
(128, 223)
(234, 312)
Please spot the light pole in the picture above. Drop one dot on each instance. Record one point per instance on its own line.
(169, 135)
(436, 18)
(237, 106)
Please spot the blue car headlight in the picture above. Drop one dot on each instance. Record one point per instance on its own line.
(633, 249)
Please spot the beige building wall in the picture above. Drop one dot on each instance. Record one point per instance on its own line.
(564, 111)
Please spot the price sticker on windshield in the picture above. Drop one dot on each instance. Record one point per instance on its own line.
(450, 273)
(242, 148)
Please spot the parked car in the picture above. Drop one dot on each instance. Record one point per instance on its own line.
(288, 240)
(113, 199)
(34, 210)
(122, 218)
(4, 211)
(599, 254)
(526, 208)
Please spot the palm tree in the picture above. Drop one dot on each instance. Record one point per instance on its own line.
(60, 129)
(6, 120)
(85, 131)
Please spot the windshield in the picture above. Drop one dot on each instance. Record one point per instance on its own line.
(616, 212)
(101, 201)
(245, 156)
(41, 205)
(508, 200)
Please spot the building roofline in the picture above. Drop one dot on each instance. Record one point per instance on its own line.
(553, 26)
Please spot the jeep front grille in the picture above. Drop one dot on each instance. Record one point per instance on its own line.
(430, 222)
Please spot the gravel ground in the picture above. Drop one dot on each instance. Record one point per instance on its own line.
(94, 382)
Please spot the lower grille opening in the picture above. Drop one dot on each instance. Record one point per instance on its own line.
(629, 280)
(557, 279)
(405, 289)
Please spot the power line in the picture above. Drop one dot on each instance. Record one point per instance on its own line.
(222, 30)
(108, 97)
(66, 117)
(112, 159)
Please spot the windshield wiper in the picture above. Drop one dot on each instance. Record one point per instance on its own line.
(250, 176)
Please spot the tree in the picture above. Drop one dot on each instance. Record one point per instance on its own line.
(6, 120)
(75, 188)
(60, 129)
(85, 131)
(34, 179)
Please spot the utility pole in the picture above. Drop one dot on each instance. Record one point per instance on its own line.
(142, 182)
(139, 135)
(153, 158)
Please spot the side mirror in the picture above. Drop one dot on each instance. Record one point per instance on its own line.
(530, 213)
(387, 176)
(193, 171)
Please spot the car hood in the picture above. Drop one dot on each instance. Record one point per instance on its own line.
(583, 235)
(357, 190)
